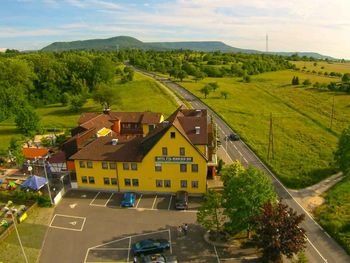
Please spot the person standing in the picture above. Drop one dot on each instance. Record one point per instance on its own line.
(185, 229)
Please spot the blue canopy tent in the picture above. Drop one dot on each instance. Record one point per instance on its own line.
(34, 182)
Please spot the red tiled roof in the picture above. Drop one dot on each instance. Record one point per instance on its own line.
(31, 153)
(135, 148)
(58, 157)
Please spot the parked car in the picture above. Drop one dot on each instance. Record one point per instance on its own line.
(149, 246)
(234, 137)
(128, 200)
(155, 258)
(181, 200)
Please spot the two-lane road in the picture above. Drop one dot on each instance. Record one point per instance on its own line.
(320, 247)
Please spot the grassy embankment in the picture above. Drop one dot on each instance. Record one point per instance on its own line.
(334, 215)
(32, 232)
(303, 140)
(141, 94)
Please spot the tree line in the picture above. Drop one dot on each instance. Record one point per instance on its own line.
(180, 64)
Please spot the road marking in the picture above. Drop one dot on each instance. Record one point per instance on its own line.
(171, 247)
(109, 199)
(72, 223)
(239, 153)
(154, 201)
(325, 260)
(245, 160)
(171, 197)
(94, 198)
(129, 249)
(138, 201)
(216, 253)
(73, 205)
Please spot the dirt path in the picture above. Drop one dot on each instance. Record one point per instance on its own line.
(311, 197)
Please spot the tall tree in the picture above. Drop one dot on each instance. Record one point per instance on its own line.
(224, 94)
(278, 232)
(15, 151)
(205, 91)
(210, 215)
(244, 195)
(105, 95)
(342, 155)
(233, 170)
(27, 120)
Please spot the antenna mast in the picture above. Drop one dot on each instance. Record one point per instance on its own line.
(267, 43)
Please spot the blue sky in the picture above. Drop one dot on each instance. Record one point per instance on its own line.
(292, 25)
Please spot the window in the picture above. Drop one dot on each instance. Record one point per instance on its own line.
(135, 182)
(84, 179)
(183, 183)
(89, 164)
(134, 166)
(167, 183)
(172, 135)
(125, 166)
(114, 181)
(127, 182)
(182, 151)
(194, 167)
(164, 151)
(106, 180)
(194, 184)
(91, 180)
(81, 164)
(158, 167)
(151, 127)
(104, 165)
(159, 183)
(183, 167)
(112, 166)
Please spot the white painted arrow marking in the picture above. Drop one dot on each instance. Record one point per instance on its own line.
(73, 205)
(73, 223)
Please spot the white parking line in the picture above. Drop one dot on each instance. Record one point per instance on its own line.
(171, 197)
(94, 198)
(171, 247)
(67, 228)
(129, 249)
(109, 199)
(138, 201)
(245, 160)
(154, 202)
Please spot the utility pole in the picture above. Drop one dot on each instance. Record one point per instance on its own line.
(332, 114)
(267, 43)
(270, 148)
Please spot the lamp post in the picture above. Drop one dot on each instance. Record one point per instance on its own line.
(45, 172)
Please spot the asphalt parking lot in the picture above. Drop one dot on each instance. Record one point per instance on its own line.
(92, 227)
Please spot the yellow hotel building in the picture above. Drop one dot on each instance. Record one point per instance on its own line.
(142, 152)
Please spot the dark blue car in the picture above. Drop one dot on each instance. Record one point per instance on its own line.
(150, 246)
(128, 200)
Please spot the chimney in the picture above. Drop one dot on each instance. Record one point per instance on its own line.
(114, 141)
(198, 129)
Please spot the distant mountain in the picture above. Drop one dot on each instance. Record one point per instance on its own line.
(130, 42)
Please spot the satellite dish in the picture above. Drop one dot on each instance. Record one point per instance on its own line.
(30, 168)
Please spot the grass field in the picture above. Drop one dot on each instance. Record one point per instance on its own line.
(303, 140)
(32, 233)
(142, 94)
(334, 215)
(327, 66)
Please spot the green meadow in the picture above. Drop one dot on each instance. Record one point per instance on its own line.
(141, 94)
(323, 66)
(334, 215)
(303, 140)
